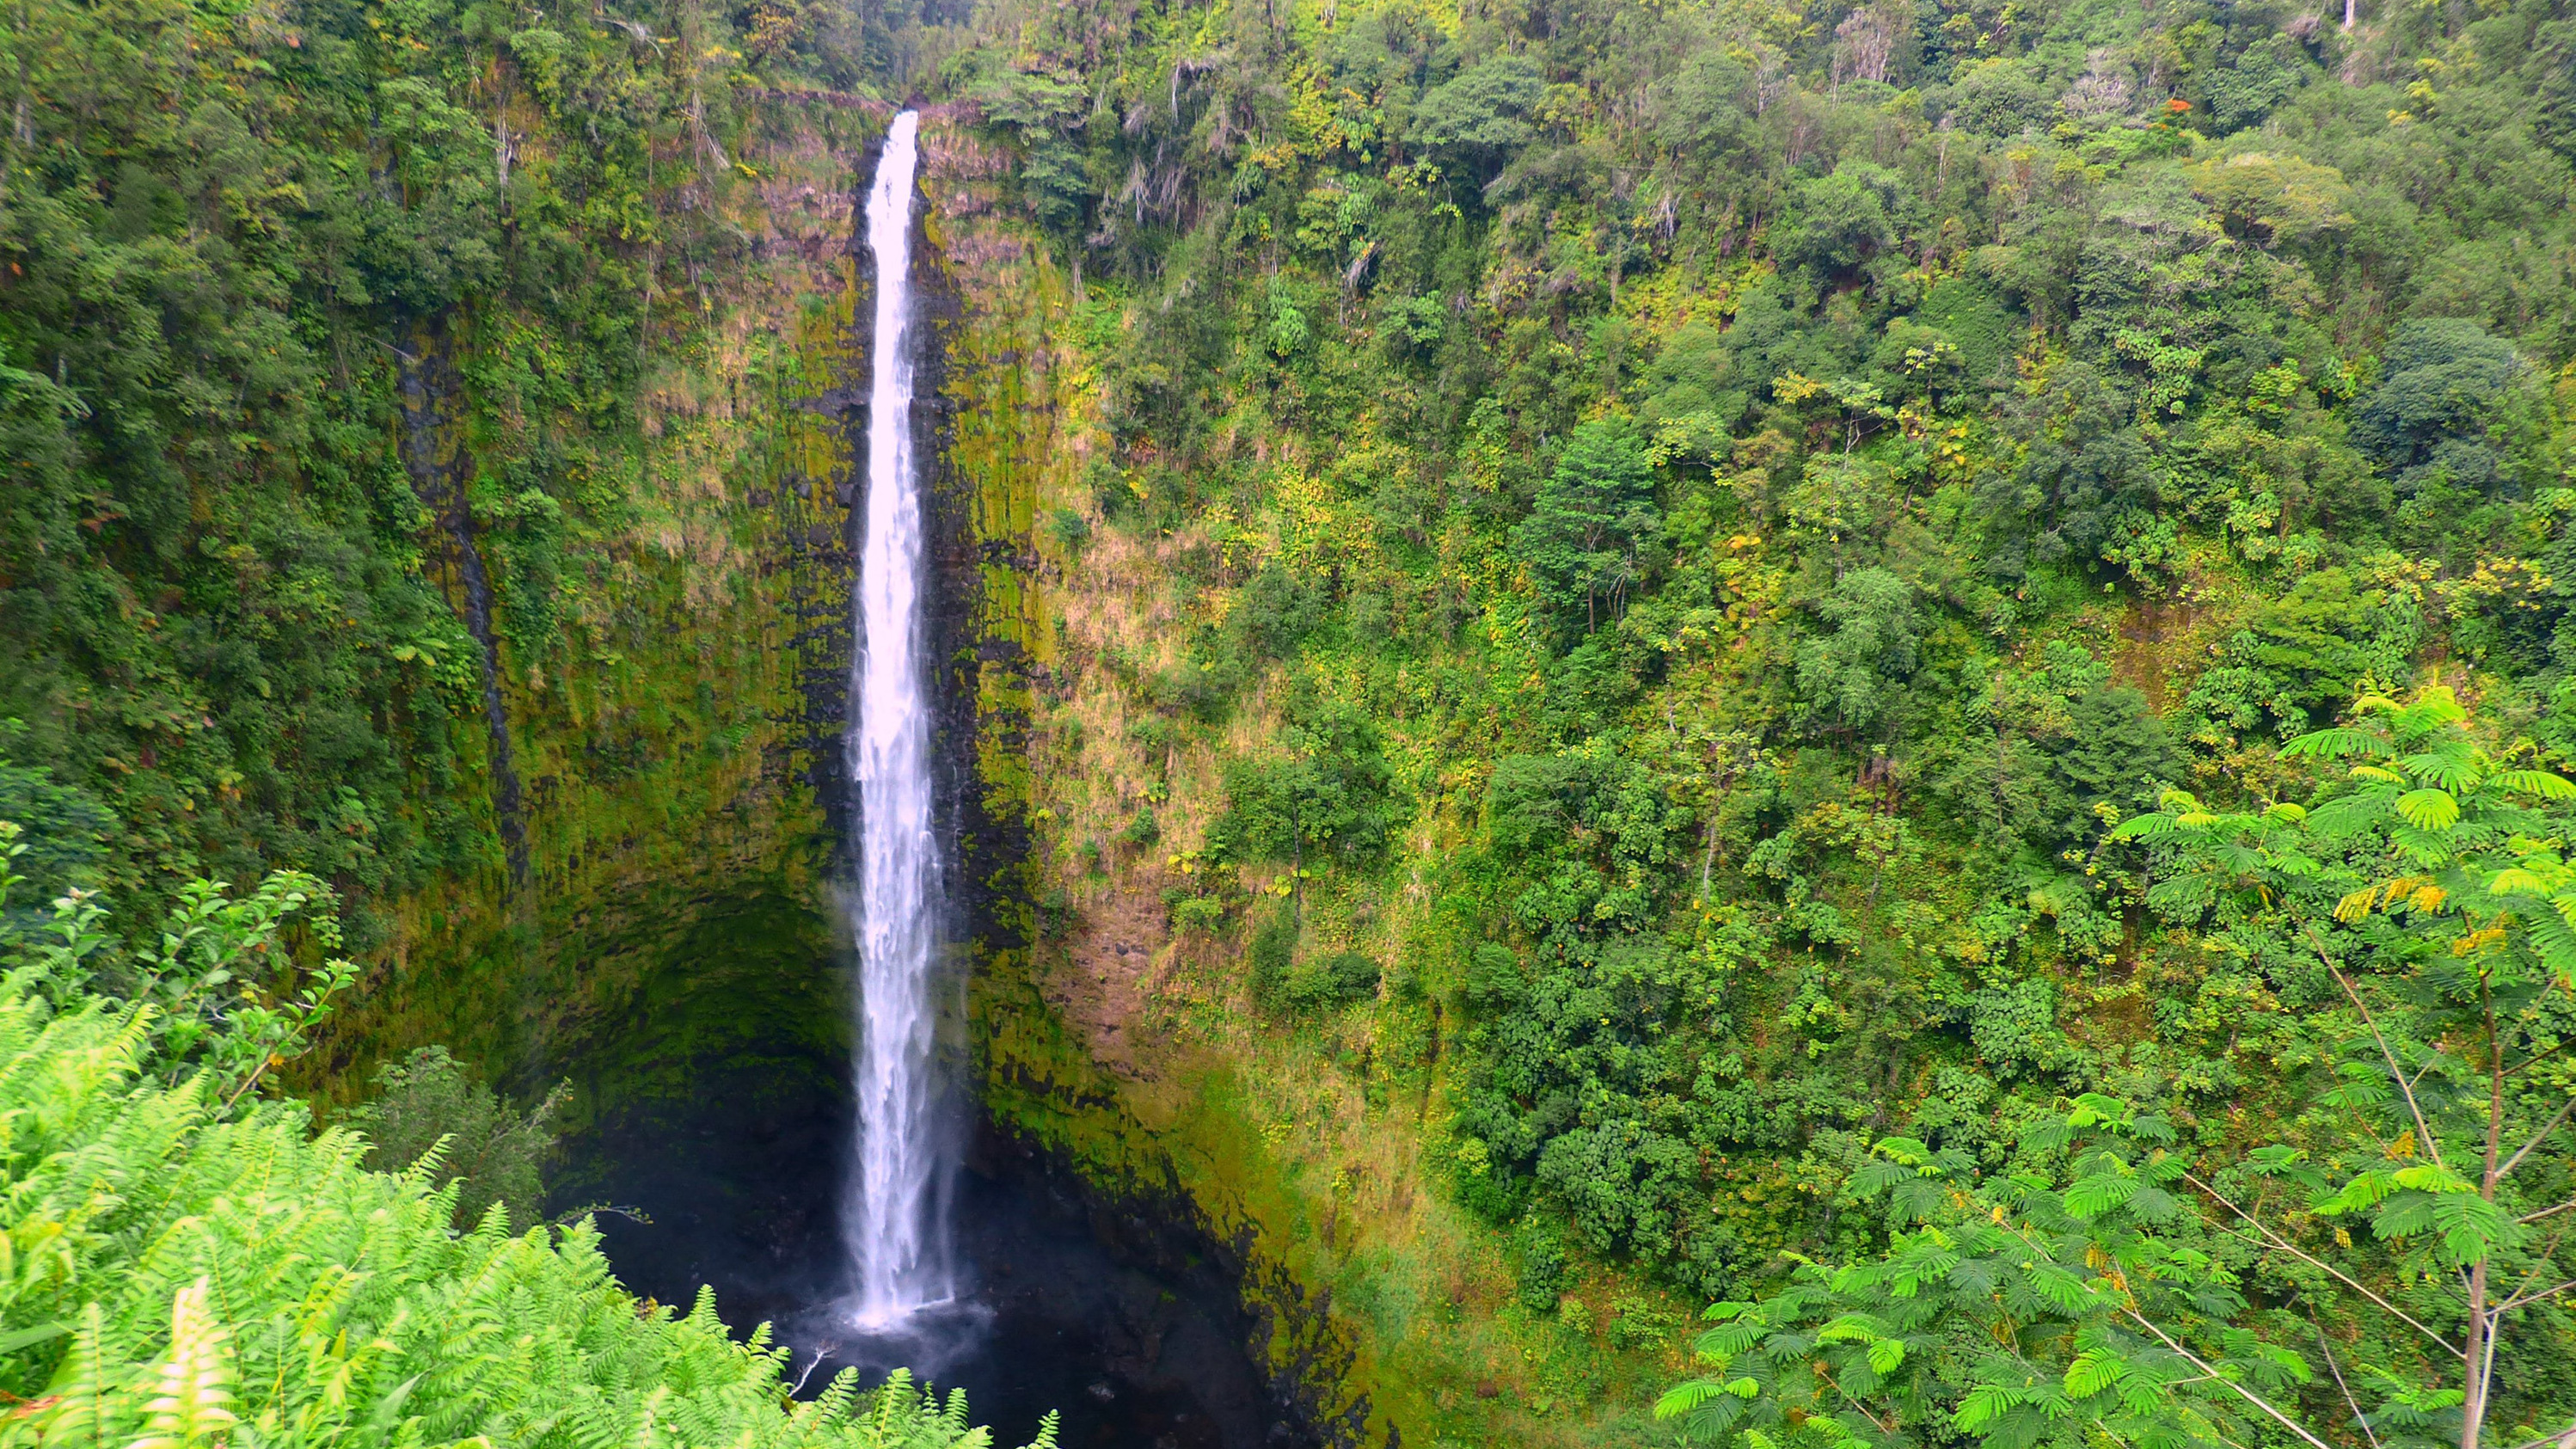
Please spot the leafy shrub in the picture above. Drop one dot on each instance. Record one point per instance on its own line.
(1641, 1323)
(2446, 410)
(1475, 120)
(1587, 542)
(1272, 955)
(2015, 1030)
(493, 1152)
(1201, 685)
(1204, 915)
(1344, 976)
(1068, 528)
(1853, 671)
(1154, 735)
(1974, 319)
(1999, 98)
(67, 831)
(1275, 612)
(1837, 222)
(1330, 791)
(1144, 829)
(2263, 76)
(1542, 1268)
(2301, 657)
(1494, 981)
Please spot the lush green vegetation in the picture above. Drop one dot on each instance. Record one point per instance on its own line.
(187, 1262)
(299, 301)
(1701, 531)
(1746, 581)
(2097, 1277)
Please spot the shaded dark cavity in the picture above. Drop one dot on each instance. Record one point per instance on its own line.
(1124, 1318)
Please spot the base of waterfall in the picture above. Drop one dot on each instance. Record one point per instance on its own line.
(1122, 1315)
(931, 1339)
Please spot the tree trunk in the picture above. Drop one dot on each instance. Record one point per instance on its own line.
(2473, 1410)
(2479, 1353)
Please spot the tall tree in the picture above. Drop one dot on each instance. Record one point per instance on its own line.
(1584, 540)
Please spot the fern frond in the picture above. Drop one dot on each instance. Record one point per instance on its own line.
(195, 1382)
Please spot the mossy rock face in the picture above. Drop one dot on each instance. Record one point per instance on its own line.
(679, 781)
(1180, 1152)
(670, 947)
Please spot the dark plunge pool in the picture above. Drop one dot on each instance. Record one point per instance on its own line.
(1122, 1317)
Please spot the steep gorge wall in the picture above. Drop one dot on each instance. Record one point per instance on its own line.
(666, 801)
(1104, 1038)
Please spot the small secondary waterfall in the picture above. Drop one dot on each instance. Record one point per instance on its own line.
(897, 1245)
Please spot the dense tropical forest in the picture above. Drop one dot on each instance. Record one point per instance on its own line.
(1906, 668)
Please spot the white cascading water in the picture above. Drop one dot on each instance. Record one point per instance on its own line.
(897, 1248)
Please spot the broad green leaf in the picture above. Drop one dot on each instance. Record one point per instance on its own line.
(1904, 1150)
(2335, 744)
(1850, 1328)
(2093, 1371)
(2364, 1190)
(2061, 1288)
(2433, 810)
(2425, 1177)
(2093, 1196)
(1986, 1403)
(1682, 1398)
(30, 1337)
(2542, 783)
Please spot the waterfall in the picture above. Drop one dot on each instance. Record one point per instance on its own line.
(897, 1245)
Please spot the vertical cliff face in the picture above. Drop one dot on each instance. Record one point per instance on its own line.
(1109, 1022)
(668, 793)
(1069, 1066)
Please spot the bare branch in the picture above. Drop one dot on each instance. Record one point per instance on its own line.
(2547, 1257)
(2327, 1347)
(2242, 1392)
(2423, 1130)
(2520, 1299)
(2540, 1056)
(2563, 1439)
(820, 1354)
(2547, 1212)
(2273, 1239)
(2536, 1139)
(1863, 1409)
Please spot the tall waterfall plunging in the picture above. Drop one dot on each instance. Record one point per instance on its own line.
(898, 1247)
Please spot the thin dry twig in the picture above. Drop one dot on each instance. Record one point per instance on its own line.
(2242, 1392)
(2327, 1346)
(2273, 1239)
